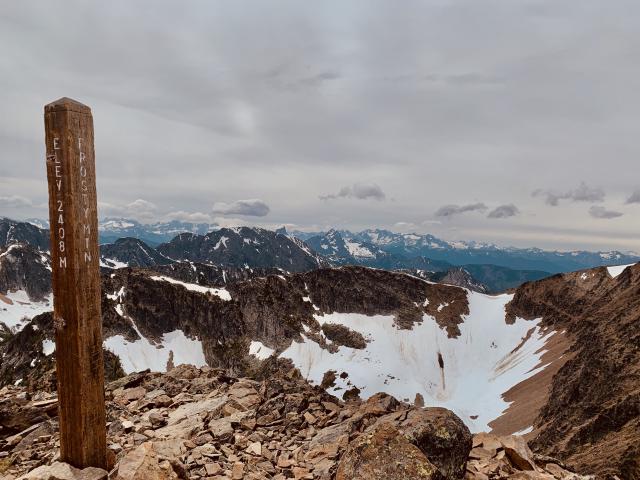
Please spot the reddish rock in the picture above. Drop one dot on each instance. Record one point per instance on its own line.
(442, 437)
(385, 453)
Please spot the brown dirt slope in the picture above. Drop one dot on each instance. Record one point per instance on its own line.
(592, 416)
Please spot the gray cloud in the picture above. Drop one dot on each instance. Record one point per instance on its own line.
(597, 211)
(15, 201)
(434, 100)
(250, 208)
(634, 198)
(361, 191)
(319, 78)
(504, 211)
(452, 210)
(583, 193)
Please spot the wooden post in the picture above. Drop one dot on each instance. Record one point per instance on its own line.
(75, 257)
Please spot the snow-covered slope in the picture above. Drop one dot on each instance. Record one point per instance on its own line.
(173, 347)
(16, 309)
(467, 374)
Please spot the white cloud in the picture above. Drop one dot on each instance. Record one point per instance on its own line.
(15, 201)
(140, 209)
(189, 217)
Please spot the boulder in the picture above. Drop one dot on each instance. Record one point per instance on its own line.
(442, 437)
(143, 464)
(64, 471)
(518, 452)
(379, 404)
(383, 452)
(210, 406)
(509, 456)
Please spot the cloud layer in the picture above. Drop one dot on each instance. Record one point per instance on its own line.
(437, 103)
(15, 201)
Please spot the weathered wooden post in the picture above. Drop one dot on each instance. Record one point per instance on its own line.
(73, 220)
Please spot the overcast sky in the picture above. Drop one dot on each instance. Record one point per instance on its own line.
(515, 122)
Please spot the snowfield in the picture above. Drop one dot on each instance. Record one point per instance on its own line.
(358, 251)
(16, 307)
(143, 354)
(259, 350)
(112, 263)
(487, 359)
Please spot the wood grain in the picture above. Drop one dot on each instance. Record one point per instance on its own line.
(76, 282)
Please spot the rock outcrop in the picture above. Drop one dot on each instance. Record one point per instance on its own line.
(23, 267)
(499, 457)
(591, 419)
(201, 423)
(12, 231)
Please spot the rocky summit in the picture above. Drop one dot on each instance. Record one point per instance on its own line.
(200, 423)
(556, 361)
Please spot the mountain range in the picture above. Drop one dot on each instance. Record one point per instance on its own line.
(383, 248)
(370, 244)
(496, 268)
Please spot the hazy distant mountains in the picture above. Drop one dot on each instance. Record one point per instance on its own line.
(112, 228)
(153, 234)
(128, 242)
(368, 244)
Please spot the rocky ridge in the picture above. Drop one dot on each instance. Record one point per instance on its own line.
(203, 424)
(243, 246)
(22, 267)
(12, 231)
(587, 406)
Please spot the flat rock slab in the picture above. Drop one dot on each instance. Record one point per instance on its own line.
(64, 471)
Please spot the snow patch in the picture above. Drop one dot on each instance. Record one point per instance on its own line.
(223, 241)
(222, 293)
(524, 431)
(16, 309)
(112, 263)
(48, 347)
(617, 269)
(260, 350)
(357, 250)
